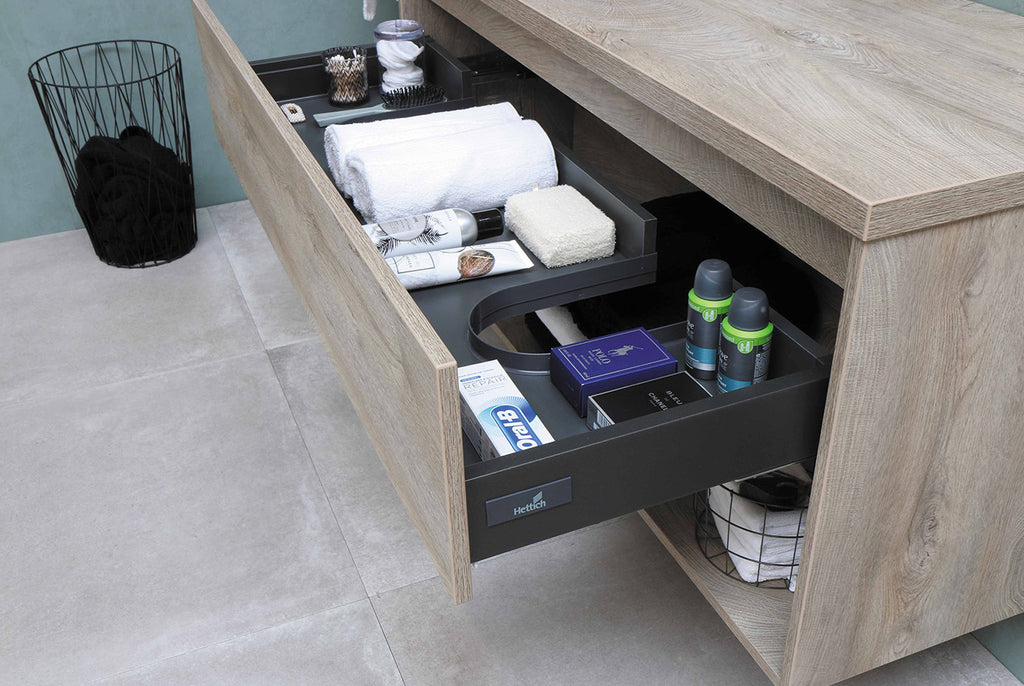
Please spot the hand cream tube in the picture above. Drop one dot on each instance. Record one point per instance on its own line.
(447, 266)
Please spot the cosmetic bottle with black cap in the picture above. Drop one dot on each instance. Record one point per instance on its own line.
(745, 342)
(438, 230)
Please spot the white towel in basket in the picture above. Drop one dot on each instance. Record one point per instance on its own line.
(474, 170)
(340, 140)
(776, 554)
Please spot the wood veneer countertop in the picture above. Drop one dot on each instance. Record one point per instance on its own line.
(885, 116)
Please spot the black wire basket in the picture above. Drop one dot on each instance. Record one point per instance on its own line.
(116, 115)
(750, 536)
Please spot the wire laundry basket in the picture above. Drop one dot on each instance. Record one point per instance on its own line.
(749, 539)
(116, 114)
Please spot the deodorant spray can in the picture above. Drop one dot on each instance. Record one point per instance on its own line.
(708, 304)
(745, 343)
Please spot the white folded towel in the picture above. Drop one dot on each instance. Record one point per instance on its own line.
(776, 554)
(474, 170)
(340, 140)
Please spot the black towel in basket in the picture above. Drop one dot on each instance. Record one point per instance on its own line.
(134, 194)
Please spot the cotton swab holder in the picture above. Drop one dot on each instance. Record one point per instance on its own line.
(399, 43)
(560, 226)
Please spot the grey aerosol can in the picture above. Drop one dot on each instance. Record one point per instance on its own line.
(746, 340)
(708, 303)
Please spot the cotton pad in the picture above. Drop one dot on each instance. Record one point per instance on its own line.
(560, 226)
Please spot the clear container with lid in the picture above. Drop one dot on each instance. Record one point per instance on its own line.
(399, 43)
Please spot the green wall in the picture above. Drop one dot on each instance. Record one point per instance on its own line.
(1015, 6)
(34, 196)
(1005, 640)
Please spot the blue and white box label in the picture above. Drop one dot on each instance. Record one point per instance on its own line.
(496, 417)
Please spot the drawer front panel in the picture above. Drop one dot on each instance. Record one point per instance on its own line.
(652, 460)
(400, 376)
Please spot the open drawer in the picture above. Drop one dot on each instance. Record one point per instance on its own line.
(397, 354)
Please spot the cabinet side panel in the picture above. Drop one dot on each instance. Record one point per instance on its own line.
(916, 532)
(398, 373)
(805, 233)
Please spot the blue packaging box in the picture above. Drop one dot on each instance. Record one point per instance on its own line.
(582, 369)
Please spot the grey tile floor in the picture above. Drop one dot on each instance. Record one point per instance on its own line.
(186, 497)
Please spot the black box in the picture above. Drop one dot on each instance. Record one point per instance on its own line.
(646, 397)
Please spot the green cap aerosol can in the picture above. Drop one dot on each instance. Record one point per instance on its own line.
(745, 342)
(708, 304)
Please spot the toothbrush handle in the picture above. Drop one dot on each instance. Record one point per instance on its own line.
(327, 118)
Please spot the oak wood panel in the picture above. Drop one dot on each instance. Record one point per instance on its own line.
(807, 234)
(758, 616)
(398, 373)
(916, 528)
(880, 131)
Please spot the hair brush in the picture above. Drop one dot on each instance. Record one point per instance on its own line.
(398, 99)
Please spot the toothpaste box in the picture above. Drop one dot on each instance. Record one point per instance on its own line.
(496, 417)
(582, 369)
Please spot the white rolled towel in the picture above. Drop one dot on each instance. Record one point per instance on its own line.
(340, 140)
(474, 170)
(778, 550)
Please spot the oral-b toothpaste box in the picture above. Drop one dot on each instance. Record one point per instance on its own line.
(496, 417)
(582, 369)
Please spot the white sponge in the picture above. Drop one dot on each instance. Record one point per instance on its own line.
(560, 226)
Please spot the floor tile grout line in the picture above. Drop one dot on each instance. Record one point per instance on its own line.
(297, 341)
(312, 463)
(60, 393)
(64, 393)
(545, 542)
(266, 351)
(226, 641)
(52, 235)
(252, 316)
(387, 641)
(234, 275)
(326, 495)
(380, 594)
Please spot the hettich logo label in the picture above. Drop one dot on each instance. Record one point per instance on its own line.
(538, 504)
(534, 500)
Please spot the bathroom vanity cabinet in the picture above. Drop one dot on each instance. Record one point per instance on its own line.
(882, 144)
